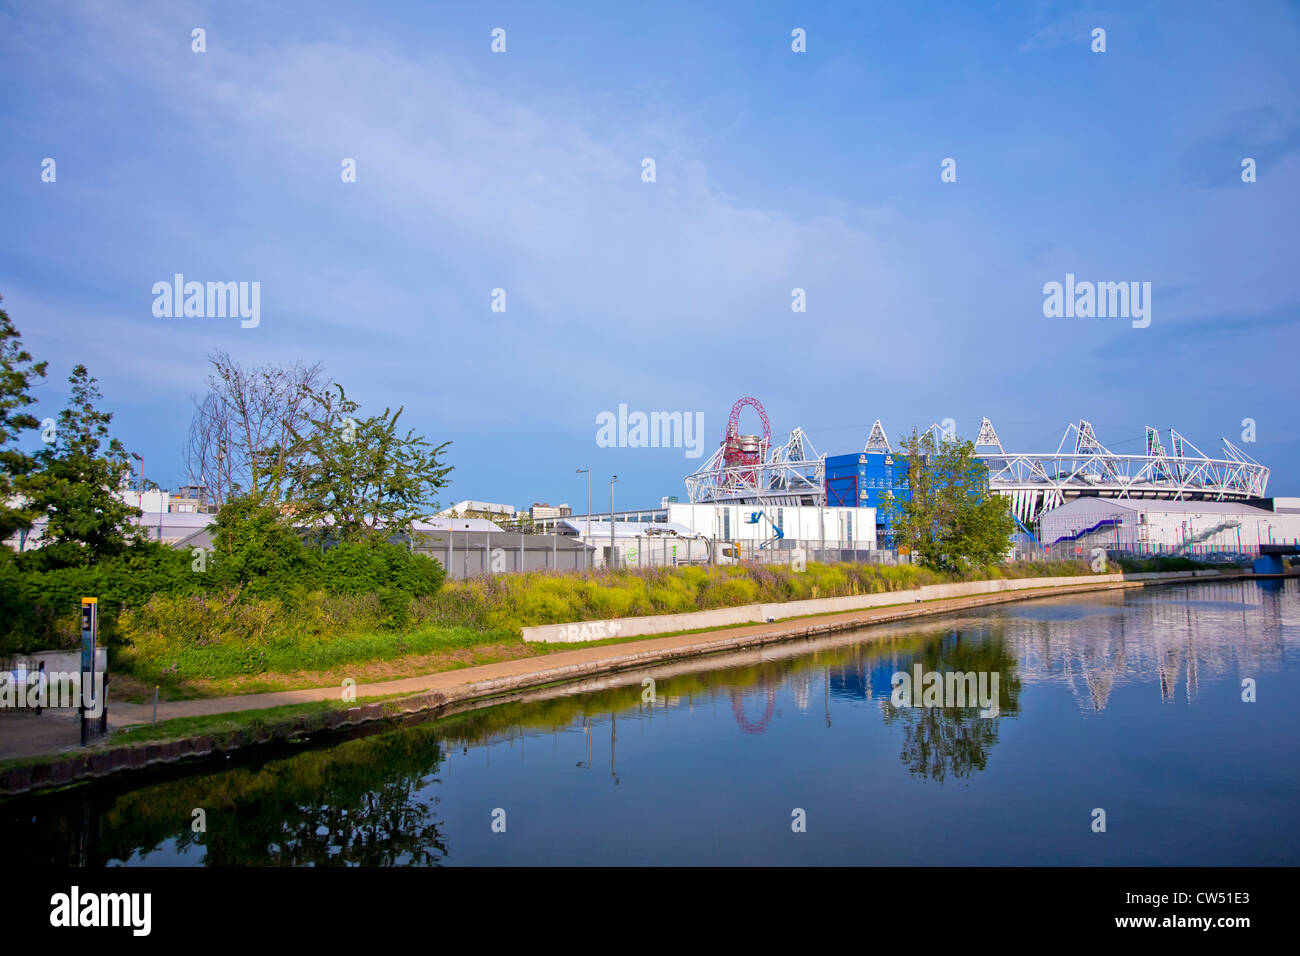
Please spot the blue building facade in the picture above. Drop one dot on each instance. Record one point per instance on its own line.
(863, 479)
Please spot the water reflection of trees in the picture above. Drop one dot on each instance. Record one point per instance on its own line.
(939, 742)
(361, 802)
(367, 816)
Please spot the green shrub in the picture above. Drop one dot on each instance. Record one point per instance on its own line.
(270, 603)
(729, 592)
(40, 599)
(396, 605)
(371, 566)
(254, 549)
(167, 625)
(511, 602)
(173, 638)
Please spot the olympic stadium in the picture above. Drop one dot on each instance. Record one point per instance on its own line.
(749, 468)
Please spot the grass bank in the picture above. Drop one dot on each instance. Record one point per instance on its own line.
(235, 721)
(213, 644)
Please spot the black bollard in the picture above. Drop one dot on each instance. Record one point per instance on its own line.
(103, 710)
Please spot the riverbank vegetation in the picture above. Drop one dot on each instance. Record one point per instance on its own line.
(308, 564)
(180, 637)
(309, 568)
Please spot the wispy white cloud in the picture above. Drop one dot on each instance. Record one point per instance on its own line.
(671, 295)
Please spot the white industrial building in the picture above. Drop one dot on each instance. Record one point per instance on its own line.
(169, 527)
(828, 527)
(638, 543)
(171, 517)
(682, 532)
(469, 506)
(1155, 526)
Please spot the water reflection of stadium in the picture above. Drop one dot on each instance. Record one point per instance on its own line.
(1170, 637)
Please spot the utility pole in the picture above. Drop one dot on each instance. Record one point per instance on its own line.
(612, 559)
(587, 472)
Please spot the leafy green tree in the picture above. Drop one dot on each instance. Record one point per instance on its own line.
(18, 373)
(76, 480)
(360, 478)
(950, 519)
(254, 546)
(39, 595)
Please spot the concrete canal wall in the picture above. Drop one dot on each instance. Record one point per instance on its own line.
(763, 613)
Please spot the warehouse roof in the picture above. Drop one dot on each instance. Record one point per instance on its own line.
(455, 524)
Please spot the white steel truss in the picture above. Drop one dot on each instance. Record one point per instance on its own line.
(790, 474)
(794, 473)
(878, 440)
(1082, 465)
(988, 437)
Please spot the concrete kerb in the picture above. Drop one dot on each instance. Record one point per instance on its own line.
(768, 613)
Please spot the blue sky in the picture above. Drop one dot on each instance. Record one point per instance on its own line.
(775, 170)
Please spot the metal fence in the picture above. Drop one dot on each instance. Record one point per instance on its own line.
(823, 552)
(1196, 552)
(471, 554)
(653, 551)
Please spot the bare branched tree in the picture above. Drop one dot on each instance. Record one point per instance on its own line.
(242, 434)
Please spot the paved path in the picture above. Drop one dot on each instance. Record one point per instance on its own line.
(486, 679)
(23, 734)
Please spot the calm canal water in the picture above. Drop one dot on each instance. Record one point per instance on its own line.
(1130, 702)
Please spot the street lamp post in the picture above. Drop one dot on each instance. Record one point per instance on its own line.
(221, 461)
(612, 559)
(587, 472)
(140, 459)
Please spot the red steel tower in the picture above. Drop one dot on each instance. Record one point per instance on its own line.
(742, 450)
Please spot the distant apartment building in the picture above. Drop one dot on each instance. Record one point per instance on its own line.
(193, 498)
(542, 511)
(189, 499)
